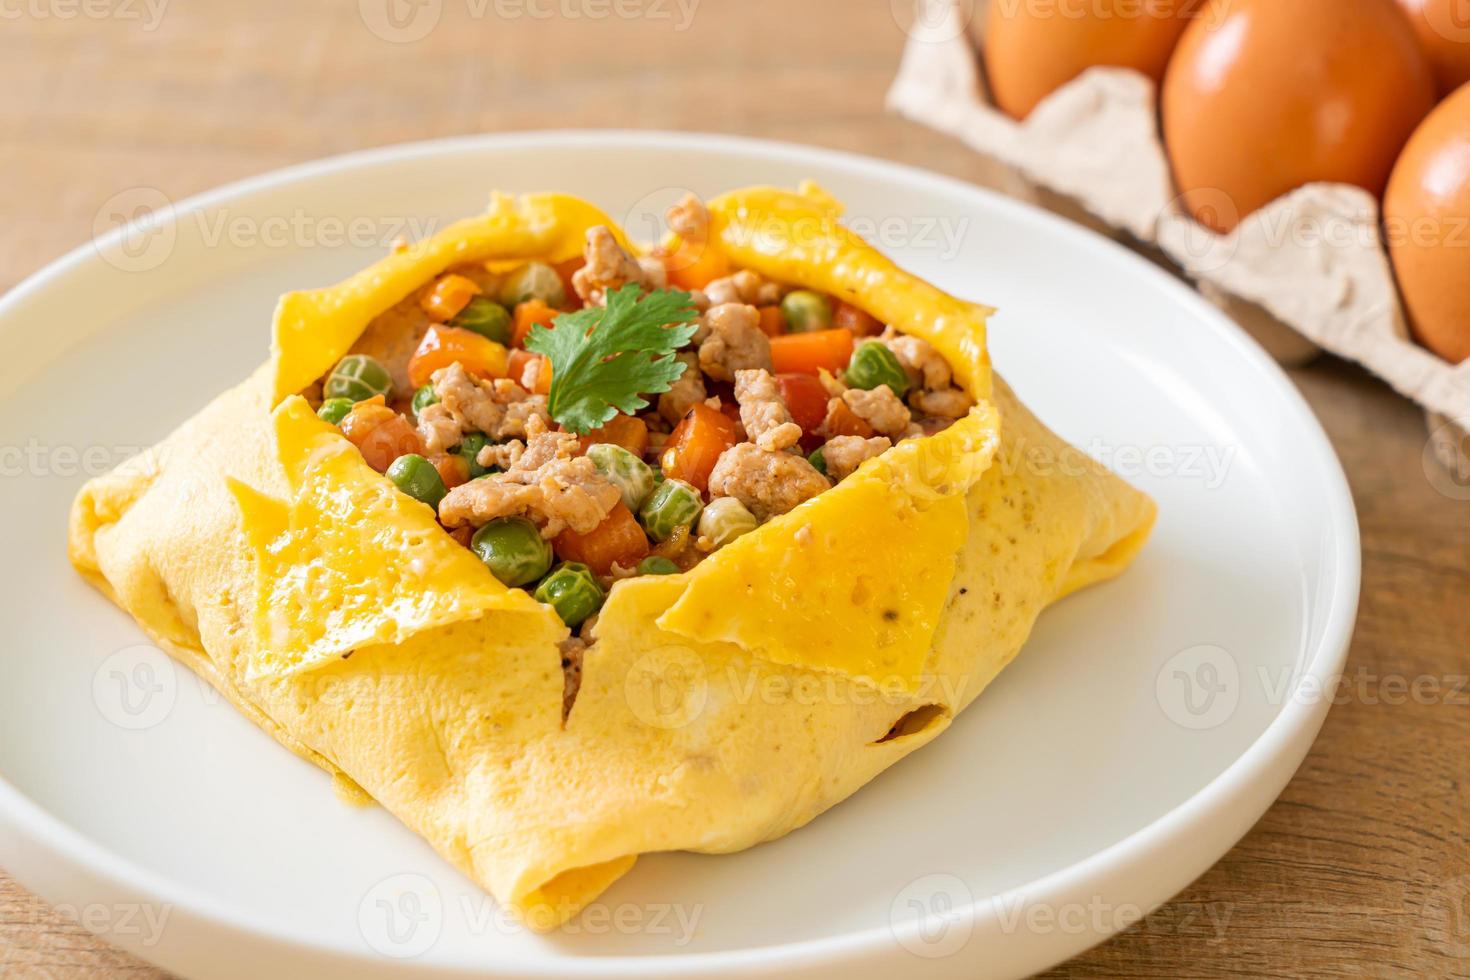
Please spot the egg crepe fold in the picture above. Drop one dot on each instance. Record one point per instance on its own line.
(718, 708)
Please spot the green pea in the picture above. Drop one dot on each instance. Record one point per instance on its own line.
(534, 280)
(573, 591)
(334, 410)
(469, 448)
(672, 504)
(423, 398)
(872, 365)
(513, 549)
(358, 377)
(806, 311)
(632, 476)
(818, 461)
(657, 565)
(724, 520)
(417, 477)
(486, 318)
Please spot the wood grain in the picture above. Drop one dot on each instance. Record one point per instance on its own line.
(1362, 867)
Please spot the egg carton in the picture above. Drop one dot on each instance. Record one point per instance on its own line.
(1307, 273)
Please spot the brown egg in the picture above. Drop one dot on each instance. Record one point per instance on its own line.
(1034, 47)
(1273, 94)
(1426, 219)
(1444, 32)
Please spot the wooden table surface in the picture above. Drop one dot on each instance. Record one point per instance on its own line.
(1362, 866)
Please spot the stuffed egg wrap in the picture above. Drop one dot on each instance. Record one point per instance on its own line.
(764, 677)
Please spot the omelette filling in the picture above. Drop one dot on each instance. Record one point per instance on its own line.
(619, 415)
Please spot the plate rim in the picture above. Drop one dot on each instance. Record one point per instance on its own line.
(1289, 734)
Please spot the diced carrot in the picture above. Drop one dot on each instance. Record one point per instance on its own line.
(694, 265)
(851, 318)
(617, 540)
(805, 398)
(442, 346)
(537, 384)
(464, 535)
(541, 381)
(843, 421)
(527, 315)
(627, 431)
(379, 433)
(696, 444)
(453, 469)
(773, 321)
(564, 271)
(808, 353)
(448, 297)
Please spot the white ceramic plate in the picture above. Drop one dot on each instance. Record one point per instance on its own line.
(1146, 726)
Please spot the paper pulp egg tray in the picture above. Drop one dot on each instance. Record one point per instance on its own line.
(1307, 273)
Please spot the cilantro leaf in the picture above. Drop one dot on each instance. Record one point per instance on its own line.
(604, 359)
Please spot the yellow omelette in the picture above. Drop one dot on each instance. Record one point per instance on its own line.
(718, 708)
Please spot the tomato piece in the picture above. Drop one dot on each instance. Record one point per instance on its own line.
(527, 315)
(453, 469)
(516, 371)
(696, 443)
(627, 431)
(448, 297)
(395, 437)
(380, 434)
(808, 353)
(515, 364)
(442, 346)
(565, 271)
(843, 421)
(617, 540)
(805, 398)
(773, 321)
(849, 317)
